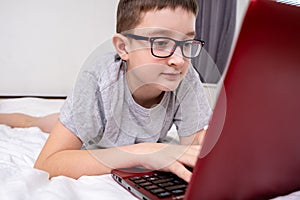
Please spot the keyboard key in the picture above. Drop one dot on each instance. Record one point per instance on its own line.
(166, 184)
(151, 187)
(135, 178)
(176, 187)
(145, 184)
(139, 181)
(178, 192)
(152, 178)
(162, 180)
(164, 194)
(179, 181)
(158, 190)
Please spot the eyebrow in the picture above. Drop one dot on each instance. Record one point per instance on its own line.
(192, 33)
(168, 32)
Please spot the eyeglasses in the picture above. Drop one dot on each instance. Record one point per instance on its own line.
(164, 47)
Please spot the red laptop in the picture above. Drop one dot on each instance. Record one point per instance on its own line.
(252, 146)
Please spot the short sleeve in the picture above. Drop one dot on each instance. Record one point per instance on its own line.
(81, 113)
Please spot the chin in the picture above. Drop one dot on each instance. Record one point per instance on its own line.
(168, 87)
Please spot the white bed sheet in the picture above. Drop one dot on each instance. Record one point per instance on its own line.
(19, 148)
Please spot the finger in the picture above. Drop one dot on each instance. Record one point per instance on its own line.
(190, 157)
(188, 160)
(180, 170)
(193, 150)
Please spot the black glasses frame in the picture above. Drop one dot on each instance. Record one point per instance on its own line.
(177, 43)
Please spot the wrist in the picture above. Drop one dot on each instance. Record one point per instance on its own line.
(139, 154)
(134, 154)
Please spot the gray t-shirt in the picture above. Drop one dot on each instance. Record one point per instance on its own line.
(101, 110)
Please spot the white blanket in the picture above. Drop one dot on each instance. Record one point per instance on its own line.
(19, 148)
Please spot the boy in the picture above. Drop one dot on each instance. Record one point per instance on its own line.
(123, 105)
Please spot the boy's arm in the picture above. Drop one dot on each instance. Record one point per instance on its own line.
(195, 139)
(62, 155)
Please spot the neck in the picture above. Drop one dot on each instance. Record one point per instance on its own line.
(147, 99)
(147, 95)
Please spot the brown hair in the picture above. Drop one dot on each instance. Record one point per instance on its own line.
(129, 13)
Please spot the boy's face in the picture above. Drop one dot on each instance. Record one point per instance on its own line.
(163, 74)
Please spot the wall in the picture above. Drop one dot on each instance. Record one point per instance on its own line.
(44, 43)
(242, 6)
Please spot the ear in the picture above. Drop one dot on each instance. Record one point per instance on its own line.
(120, 42)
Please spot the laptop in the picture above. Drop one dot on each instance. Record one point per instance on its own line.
(252, 146)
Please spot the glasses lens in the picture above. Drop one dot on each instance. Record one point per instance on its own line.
(191, 48)
(163, 47)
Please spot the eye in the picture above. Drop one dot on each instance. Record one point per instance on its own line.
(192, 44)
(161, 42)
(188, 45)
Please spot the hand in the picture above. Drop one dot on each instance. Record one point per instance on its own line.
(171, 158)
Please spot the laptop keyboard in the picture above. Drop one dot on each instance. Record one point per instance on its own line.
(161, 184)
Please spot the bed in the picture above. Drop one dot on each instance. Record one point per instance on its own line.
(19, 148)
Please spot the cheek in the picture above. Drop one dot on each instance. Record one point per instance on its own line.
(138, 57)
(185, 67)
(138, 50)
(146, 73)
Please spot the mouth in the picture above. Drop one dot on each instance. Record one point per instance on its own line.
(172, 75)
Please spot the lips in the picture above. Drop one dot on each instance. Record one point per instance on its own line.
(172, 75)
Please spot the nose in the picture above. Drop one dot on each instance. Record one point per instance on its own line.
(177, 59)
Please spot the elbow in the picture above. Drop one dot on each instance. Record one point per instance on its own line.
(41, 165)
(38, 165)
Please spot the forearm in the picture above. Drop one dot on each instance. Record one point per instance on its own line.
(195, 139)
(62, 155)
(76, 163)
(71, 163)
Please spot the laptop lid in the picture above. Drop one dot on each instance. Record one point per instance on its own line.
(251, 149)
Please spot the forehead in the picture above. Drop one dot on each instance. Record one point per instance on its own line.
(168, 22)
